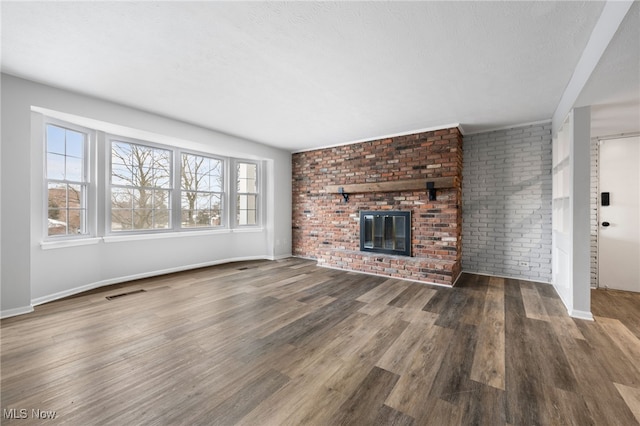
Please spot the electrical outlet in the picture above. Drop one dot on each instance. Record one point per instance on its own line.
(524, 263)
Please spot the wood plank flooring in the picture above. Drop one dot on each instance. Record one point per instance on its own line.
(290, 343)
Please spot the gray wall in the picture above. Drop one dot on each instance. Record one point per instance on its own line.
(506, 194)
(32, 274)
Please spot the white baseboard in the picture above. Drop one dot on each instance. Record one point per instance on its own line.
(583, 315)
(574, 313)
(486, 274)
(118, 280)
(280, 256)
(16, 311)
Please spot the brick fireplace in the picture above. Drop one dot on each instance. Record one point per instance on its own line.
(371, 174)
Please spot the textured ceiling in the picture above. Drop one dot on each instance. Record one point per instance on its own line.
(299, 75)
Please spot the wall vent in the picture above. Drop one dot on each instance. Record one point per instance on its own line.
(115, 296)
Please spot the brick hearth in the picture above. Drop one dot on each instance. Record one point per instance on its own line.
(327, 229)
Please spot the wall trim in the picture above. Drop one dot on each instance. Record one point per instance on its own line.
(509, 127)
(391, 135)
(16, 311)
(280, 256)
(98, 284)
(574, 313)
(615, 136)
(487, 274)
(583, 315)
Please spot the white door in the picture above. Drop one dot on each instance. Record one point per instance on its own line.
(619, 228)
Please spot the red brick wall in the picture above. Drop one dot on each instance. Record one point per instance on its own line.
(327, 229)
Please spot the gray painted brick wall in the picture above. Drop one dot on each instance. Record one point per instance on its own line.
(595, 150)
(506, 210)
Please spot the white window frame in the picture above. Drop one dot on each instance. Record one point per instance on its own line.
(97, 186)
(259, 190)
(224, 194)
(110, 139)
(88, 202)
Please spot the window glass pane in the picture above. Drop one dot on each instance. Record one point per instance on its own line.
(162, 178)
(137, 175)
(57, 196)
(161, 219)
(203, 201)
(201, 177)
(142, 218)
(121, 219)
(143, 156)
(216, 210)
(247, 174)
(246, 212)
(75, 144)
(75, 221)
(57, 205)
(188, 203)
(188, 172)
(161, 168)
(121, 174)
(74, 196)
(120, 153)
(203, 218)
(66, 210)
(215, 178)
(56, 222)
(160, 199)
(74, 169)
(55, 166)
(55, 139)
(121, 198)
(204, 182)
(247, 198)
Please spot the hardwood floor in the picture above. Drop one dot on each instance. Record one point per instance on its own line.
(289, 343)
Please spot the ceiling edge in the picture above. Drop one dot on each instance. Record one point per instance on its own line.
(392, 135)
(510, 126)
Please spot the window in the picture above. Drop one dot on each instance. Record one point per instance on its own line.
(66, 180)
(202, 184)
(141, 184)
(247, 193)
(98, 184)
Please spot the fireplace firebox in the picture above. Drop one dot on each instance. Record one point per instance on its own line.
(386, 232)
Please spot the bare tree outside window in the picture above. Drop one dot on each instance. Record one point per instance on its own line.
(140, 187)
(202, 186)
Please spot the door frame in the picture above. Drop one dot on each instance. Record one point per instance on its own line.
(596, 178)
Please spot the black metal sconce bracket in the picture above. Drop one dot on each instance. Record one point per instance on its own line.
(344, 194)
(432, 191)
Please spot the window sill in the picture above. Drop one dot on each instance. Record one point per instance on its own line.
(247, 229)
(180, 234)
(50, 245)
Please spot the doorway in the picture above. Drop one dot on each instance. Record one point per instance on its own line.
(619, 214)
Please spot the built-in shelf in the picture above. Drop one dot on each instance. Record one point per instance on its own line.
(394, 185)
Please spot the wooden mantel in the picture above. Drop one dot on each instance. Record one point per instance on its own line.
(394, 185)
